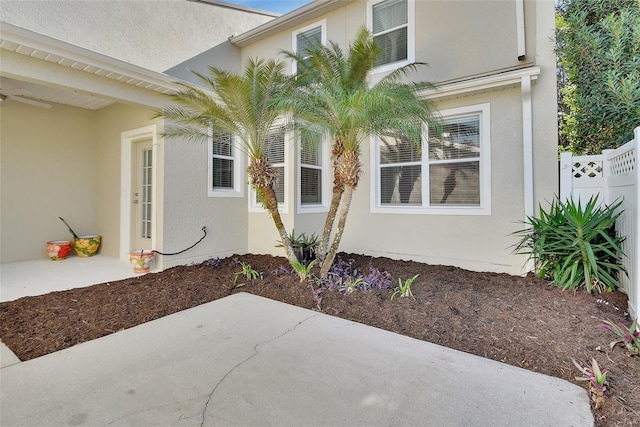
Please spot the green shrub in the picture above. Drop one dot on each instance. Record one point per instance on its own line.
(575, 247)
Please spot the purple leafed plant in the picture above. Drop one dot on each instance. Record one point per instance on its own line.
(282, 270)
(212, 262)
(628, 337)
(596, 376)
(344, 277)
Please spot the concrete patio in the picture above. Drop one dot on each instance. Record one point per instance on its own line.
(246, 360)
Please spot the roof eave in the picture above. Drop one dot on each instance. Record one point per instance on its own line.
(289, 20)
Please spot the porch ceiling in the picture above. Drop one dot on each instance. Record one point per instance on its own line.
(53, 94)
(37, 47)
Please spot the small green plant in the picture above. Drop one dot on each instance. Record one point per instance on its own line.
(351, 284)
(234, 283)
(575, 247)
(596, 376)
(404, 288)
(628, 337)
(304, 271)
(247, 271)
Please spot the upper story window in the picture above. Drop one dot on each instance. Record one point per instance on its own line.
(224, 168)
(304, 37)
(313, 184)
(392, 24)
(449, 173)
(274, 149)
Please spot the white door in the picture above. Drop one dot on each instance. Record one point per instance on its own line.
(141, 192)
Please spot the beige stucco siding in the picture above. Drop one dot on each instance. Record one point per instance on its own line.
(188, 208)
(62, 161)
(58, 177)
(458, 39)
(154, 34)
(110, 123)
(465, 38)
(476, 242)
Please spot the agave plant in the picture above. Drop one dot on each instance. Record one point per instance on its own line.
(575, 246)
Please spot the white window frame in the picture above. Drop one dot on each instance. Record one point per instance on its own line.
(282, 206)
(294, 38)
(411, 36)
(236, 156)
(326, 179)
(484, 112)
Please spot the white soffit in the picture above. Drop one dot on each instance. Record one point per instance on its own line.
(37, 46)
(492, 82)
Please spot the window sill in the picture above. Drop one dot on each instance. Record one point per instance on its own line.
(311, 209)
(421, 210)
(387, 68)
(225, 193)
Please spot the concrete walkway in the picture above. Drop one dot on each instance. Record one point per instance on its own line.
(245, 360)
(41, 276)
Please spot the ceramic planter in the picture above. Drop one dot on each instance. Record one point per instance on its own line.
(141, 261)
(58, 249)
(86, 246)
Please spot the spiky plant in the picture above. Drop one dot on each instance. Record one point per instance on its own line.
(245, 105)
(334, 98)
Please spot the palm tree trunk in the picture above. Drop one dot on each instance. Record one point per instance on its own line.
(328, 224)
(337, 150)
(270, 201)
(344, 211)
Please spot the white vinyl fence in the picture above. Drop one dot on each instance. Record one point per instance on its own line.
(614, 176)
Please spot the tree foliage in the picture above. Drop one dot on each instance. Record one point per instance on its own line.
(335, 98)
(598, 47)
(246, 105)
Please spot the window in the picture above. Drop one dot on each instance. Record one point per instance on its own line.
(446, 173)
(391, 23)
(313, 181)
(310, 173)
(274, 149)
(303, 37)
(223, 166)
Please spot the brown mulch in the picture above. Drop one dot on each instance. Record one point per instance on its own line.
(521, 321)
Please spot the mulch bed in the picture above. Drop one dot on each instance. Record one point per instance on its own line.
(517, 320)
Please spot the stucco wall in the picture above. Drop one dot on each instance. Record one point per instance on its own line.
(48, 169)
(476, 242)
(109, 123)
(154, 34)
(460, 40)
(188, 208)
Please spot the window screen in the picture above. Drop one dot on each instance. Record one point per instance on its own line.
(448, 172)
(274, 150)
(305, 39)
(390, 30)
(222, 161)
(310, 173)
(400, 171)
(454, 158)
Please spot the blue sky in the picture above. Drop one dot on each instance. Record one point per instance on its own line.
(279, 6)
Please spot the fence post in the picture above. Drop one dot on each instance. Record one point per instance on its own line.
(606, 173)
(635, 281)
(566, 175)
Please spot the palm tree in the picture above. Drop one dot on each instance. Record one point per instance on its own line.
(334, 98)
(245, 105)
